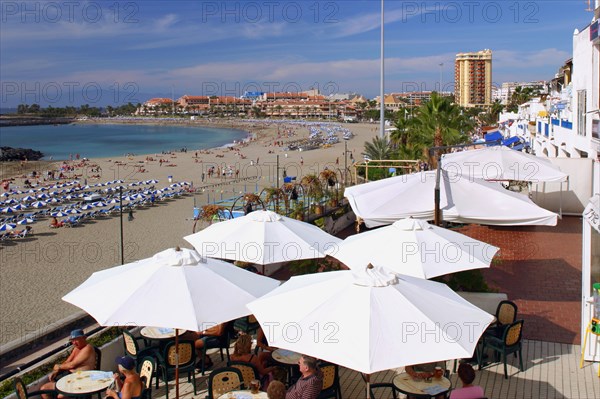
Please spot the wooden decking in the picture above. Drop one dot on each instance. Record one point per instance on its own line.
(551, 371)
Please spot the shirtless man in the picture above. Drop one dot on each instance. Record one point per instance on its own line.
(83, 357)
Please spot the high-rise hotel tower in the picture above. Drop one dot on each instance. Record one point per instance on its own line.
(473, 79)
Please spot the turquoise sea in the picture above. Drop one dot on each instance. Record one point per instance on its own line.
(100, 141)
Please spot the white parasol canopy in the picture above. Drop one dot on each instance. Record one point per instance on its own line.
(262, 237)
(501, 163)
(415, 248)
(173, 289)
(370, 320)
(462, 200)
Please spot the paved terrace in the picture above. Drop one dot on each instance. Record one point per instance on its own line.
(540, 269)
(551, 371)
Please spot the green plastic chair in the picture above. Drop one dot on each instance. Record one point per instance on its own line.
(167, 362)
(509, 343)
(22, 393)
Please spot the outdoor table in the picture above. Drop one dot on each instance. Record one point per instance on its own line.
(286, 357)
(159, 333)
(408, 386)
(86, 383)
(289, 359)
(244, 394)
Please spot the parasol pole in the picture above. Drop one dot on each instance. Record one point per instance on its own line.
(176, 363)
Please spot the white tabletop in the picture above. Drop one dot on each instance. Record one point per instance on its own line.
(285, 356)
(406, 384)
(159, 333)
(244, 394)
(84, 382)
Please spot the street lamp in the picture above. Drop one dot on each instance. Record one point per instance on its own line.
(441, 76)
(381, 81)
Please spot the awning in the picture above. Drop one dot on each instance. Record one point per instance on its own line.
(493, 136)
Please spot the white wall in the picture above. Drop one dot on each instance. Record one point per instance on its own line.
(575, 193)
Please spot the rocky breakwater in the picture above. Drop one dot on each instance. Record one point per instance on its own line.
(19, 154)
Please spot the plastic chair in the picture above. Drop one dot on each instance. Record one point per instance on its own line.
(223, 380)
(98, 364)
(22, 393)
(132, 348)
(221, 342)
(509, 343)
(506, 314)
(383, 386)
(147, 369)
(167, 362)
(248, 370)
(247, 324)
(331, 382)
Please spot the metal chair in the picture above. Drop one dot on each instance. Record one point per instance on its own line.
(331, 381)
(509, 343)
(248, 370)
(223, 380)
(22, 393)
(167, 362)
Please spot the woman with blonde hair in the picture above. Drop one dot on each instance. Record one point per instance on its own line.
(242, 352)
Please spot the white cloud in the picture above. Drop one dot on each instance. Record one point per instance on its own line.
(549, 57)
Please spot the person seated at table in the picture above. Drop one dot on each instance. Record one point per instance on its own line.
(310, 384)
(276, 390)
(468, 390)
(82, 358)
(265, 354)
(242, 352)
(210, 337)
(130, 387)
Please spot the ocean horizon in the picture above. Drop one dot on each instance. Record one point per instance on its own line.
(62, 142)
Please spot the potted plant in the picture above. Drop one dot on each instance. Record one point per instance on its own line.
(298, 212)
(274, 194)
(210, 211)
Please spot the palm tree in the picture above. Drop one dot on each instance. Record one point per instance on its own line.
(408, 141)
(379, 148)
(441, 123)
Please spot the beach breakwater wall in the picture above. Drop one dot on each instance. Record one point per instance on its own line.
(19, 154)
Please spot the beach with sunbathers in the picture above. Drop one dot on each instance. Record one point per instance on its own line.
(39, 269)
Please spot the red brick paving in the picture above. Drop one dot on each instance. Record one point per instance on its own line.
(540, 270)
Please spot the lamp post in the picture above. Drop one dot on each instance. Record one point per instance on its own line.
(121, 222)
(441, 76)
(381, 81)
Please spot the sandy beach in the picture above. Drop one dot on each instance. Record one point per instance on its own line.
(36, 272)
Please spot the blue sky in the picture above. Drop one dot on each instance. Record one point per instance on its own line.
(104, 52)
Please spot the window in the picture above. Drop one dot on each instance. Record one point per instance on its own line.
(581, 110)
